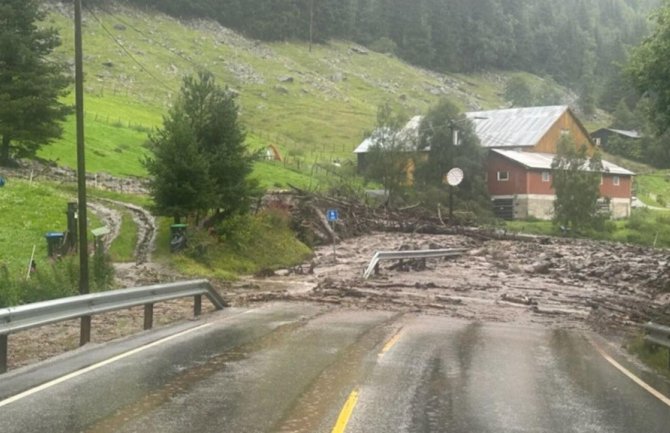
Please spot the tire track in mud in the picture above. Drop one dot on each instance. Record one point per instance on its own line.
(142, 271)
(146, 231)
(144, 221)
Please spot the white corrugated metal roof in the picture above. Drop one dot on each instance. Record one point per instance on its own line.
(408, 137)
(515, 127)
(542, 161)
(629, 134)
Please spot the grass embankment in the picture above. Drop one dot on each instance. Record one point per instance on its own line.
(241, 245)
(653, 356)
(654, 188)
(645, 227)
(28, 212)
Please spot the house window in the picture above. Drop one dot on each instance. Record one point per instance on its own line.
(503, 176)
(598, 142)
(616, 180)
(565, 132)
(546, 176)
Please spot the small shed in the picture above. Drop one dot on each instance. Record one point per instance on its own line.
(602, 136)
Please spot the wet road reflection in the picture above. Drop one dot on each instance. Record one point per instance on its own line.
(290, 368)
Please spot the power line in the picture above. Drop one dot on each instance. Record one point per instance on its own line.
(127, 24)
(128, 53)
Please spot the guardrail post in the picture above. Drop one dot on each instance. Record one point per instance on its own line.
(85, 331)
(148, 316)
(3, 353)
(197, 305)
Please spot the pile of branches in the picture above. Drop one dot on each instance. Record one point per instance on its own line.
(357, 218)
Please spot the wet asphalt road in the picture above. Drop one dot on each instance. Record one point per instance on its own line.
(291, 368)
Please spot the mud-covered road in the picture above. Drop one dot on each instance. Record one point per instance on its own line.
(551, 281)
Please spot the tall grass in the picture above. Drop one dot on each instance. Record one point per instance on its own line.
(52, 280)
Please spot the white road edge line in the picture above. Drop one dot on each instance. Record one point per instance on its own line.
(631, 376)
(93, 367)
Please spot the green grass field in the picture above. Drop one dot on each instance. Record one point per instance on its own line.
(323, 113)
(28, 213)
(645, 227)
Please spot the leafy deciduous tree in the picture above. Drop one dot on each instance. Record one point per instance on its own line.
(391, 153)
(576, 180)
(436, 133)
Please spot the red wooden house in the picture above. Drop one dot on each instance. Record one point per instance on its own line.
(522, 143)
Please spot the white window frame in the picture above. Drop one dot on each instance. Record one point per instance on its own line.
(546, 176)
(501, 178)
(616, 180)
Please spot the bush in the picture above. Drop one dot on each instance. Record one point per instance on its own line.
(52, 281)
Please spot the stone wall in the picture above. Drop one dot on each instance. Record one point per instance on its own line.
(534, 206)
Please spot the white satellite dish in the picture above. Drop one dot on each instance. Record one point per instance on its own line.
(455, 176)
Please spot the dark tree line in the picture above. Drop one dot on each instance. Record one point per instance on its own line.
(575, 41)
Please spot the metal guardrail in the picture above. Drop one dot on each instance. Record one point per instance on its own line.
(408, 255)
(30, 316)
(658, 335)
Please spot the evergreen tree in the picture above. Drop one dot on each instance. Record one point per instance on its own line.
(31, 83)
(623, 117)
(576, 180)
(390, 157)
(200, 162)
(179, 179)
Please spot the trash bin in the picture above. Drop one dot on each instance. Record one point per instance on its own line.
(177, 237)
(54, 243)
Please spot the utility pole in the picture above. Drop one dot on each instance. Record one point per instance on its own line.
(85, 334)
(311, 23)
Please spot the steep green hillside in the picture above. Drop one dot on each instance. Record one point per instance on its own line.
(316, 105)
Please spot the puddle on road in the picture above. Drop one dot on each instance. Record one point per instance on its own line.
(436, 405)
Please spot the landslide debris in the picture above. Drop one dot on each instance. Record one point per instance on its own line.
(549, 281)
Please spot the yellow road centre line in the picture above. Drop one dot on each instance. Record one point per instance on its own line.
(97, 366)
(392, 342)
(631, 376)
(345, 415)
